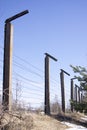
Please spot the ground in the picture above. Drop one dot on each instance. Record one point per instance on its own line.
(42, 122)
(38, 121)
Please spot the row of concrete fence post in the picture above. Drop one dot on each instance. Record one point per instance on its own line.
(7, 72)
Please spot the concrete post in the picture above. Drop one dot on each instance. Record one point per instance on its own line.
(79, 100)
(62, 91)
(47, 94)
(7, 67)
(76, 93)
(72, 94)
(62, 88)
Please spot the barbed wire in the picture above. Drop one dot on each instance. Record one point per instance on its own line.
(26, 69)
(25, 61)
(33, 88)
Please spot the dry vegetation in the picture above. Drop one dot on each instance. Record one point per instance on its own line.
(16, 121)
(43, 122)
(21, 119)
(28, 121)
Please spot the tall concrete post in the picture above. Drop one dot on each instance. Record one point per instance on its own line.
(72, 94)
(79, 99)
(62, 91)
(76, 93)
(7, 67)
(62, 88)
(47, 94)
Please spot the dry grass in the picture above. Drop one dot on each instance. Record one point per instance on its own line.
(29, 121)
(43, 122)
(23, 120)
(16, 121)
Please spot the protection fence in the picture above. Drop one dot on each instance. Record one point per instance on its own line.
(28, 87)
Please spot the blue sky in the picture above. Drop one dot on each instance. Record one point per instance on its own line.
(58, 27)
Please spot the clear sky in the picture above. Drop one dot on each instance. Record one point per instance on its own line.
(58, 27)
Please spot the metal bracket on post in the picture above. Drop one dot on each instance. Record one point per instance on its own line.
(16, 16)
(65, 72)
(47, 94)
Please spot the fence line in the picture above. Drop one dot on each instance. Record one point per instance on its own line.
(32, 82)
